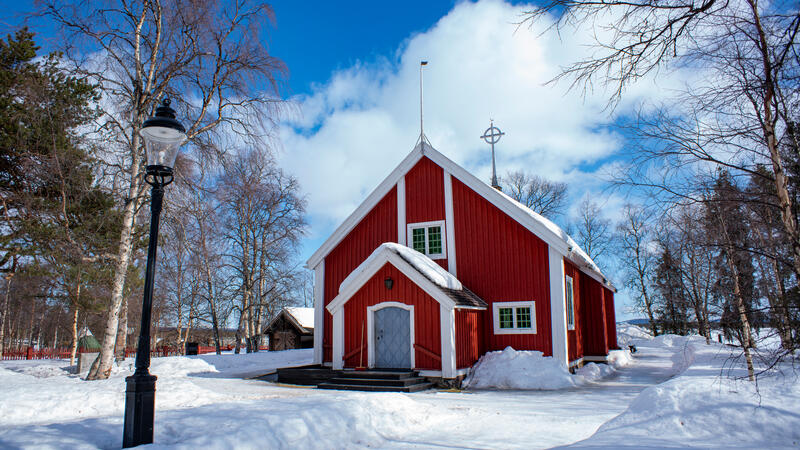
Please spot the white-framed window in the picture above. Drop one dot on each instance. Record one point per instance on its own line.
(428, 238)
(570, 299)
(514, 317)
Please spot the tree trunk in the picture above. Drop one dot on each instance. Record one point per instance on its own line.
(781, 311)
(74, 343)
(101, 368)
(746, 337)
(5, 314)
(215, 326)
(39, 331)
(30, 324)
(122, 332)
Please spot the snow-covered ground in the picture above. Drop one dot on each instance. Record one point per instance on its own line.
(676, 392)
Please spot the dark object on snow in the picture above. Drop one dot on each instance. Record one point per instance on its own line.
(192, 348)
(632, 348)
(719, 338)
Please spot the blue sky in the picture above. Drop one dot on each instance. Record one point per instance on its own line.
(317, 38)
(354, 79)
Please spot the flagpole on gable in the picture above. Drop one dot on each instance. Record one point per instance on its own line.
(421, 65)
(422, 137)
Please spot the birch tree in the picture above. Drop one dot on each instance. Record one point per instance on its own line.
(637, 259)
(264, 216)
(744, 102)
(591, 230)
(208, 57)
(546, 197)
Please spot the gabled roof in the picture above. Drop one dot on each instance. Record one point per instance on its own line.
(301, 318)
(546, 230)
(429, 276)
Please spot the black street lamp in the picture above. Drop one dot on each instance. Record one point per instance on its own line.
(162, 136)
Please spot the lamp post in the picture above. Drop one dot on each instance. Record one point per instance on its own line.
(162, 136)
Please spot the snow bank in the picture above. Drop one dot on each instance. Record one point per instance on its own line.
(594, 371)
(707, 404)
(513, 369)
(628, 333)
(619, 358)
(425, 265)
(46, 390)
(591, 372)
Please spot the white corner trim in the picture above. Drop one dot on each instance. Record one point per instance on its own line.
(514, 305)
(401, 210)
(433, 223)
(569, 300)
(338, 339)
(450, 223)
(447, 328)
(558, 313)
(372, 344)
(319, 311)
(366, 272)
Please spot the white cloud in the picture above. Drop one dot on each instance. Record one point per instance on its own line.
(358, 126)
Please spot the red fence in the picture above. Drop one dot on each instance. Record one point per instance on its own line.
(30, 353)
(64, 353)
(175, 351)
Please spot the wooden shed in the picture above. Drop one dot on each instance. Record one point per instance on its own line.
(292, 328)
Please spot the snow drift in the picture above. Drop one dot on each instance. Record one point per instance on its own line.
(524, 369)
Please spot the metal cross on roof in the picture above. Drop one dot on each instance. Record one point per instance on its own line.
(492, 136)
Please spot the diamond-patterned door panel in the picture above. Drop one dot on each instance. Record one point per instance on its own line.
(392, 338)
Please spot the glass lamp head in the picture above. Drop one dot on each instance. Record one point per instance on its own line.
(162, 135)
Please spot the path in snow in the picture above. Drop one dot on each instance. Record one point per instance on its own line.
(541, 419)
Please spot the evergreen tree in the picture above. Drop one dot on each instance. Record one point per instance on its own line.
(671, 313)
(55, 213)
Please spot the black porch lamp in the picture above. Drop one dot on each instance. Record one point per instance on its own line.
(162, 136)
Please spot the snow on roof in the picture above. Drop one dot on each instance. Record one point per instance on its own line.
(422, 263)
(303, 316)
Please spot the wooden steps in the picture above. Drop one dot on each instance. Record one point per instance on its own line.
(377, 380)
(311, 375)
(354, 380)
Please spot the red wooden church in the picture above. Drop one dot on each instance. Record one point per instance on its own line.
(470, 271)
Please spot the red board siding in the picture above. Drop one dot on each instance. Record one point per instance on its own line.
(595, 337)
(427, 332)
(468, 338)
(424, 192)
(425, 195)
(575, 337)
(611, 319)
(501, 261)
(377, 227)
